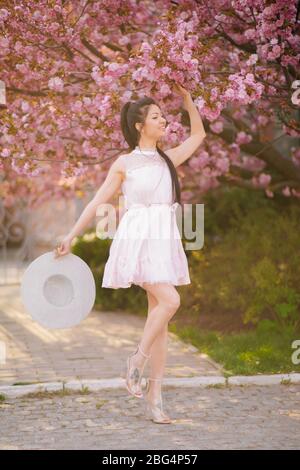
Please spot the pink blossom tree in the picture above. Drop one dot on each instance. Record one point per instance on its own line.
(69, 66)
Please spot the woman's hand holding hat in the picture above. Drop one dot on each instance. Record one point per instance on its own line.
(63, 248)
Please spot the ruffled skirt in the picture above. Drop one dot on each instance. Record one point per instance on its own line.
(147, 247)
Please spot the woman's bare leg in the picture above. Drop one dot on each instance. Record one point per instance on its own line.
(168, 302)
(159, 349)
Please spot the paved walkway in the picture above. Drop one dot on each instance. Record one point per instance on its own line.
(95, 349)
(234, 417)
(214, 417)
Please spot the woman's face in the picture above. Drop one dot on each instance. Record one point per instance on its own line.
(155, 123)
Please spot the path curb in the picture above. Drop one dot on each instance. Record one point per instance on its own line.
(14, 391)
(264, 379)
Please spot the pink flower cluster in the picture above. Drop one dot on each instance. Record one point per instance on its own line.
(69, 70)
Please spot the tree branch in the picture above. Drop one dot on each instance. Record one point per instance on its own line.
(113, 47)
(93, 49)
(270, 155)
(27, 92)
(244, 47)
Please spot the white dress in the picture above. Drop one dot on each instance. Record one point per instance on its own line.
(147, 245)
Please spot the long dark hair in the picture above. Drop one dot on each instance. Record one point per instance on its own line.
(133, 112)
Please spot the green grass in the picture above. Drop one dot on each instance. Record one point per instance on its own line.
(56, 393)
(248, 353)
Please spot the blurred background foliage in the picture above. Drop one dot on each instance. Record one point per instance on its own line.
(245, 281)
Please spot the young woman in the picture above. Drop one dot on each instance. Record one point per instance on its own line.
(157, 263)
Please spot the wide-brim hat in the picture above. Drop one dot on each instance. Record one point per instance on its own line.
(58, 292)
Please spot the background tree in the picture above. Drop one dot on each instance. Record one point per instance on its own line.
(69, 66)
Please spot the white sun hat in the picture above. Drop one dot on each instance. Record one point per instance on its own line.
(58, 292)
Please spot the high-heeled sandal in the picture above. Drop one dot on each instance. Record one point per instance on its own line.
(134, 377)
(154, 410)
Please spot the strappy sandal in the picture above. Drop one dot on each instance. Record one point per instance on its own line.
(154, 410)
(134, 375)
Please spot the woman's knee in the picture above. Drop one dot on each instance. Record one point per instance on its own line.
(172, 303)
(166, 296)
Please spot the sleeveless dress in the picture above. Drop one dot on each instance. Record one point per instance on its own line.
(147, 245)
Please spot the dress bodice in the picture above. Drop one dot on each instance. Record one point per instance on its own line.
(147, 178)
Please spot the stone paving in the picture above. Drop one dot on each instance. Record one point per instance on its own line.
(232, 417)
(212, 417)
(95, 349)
